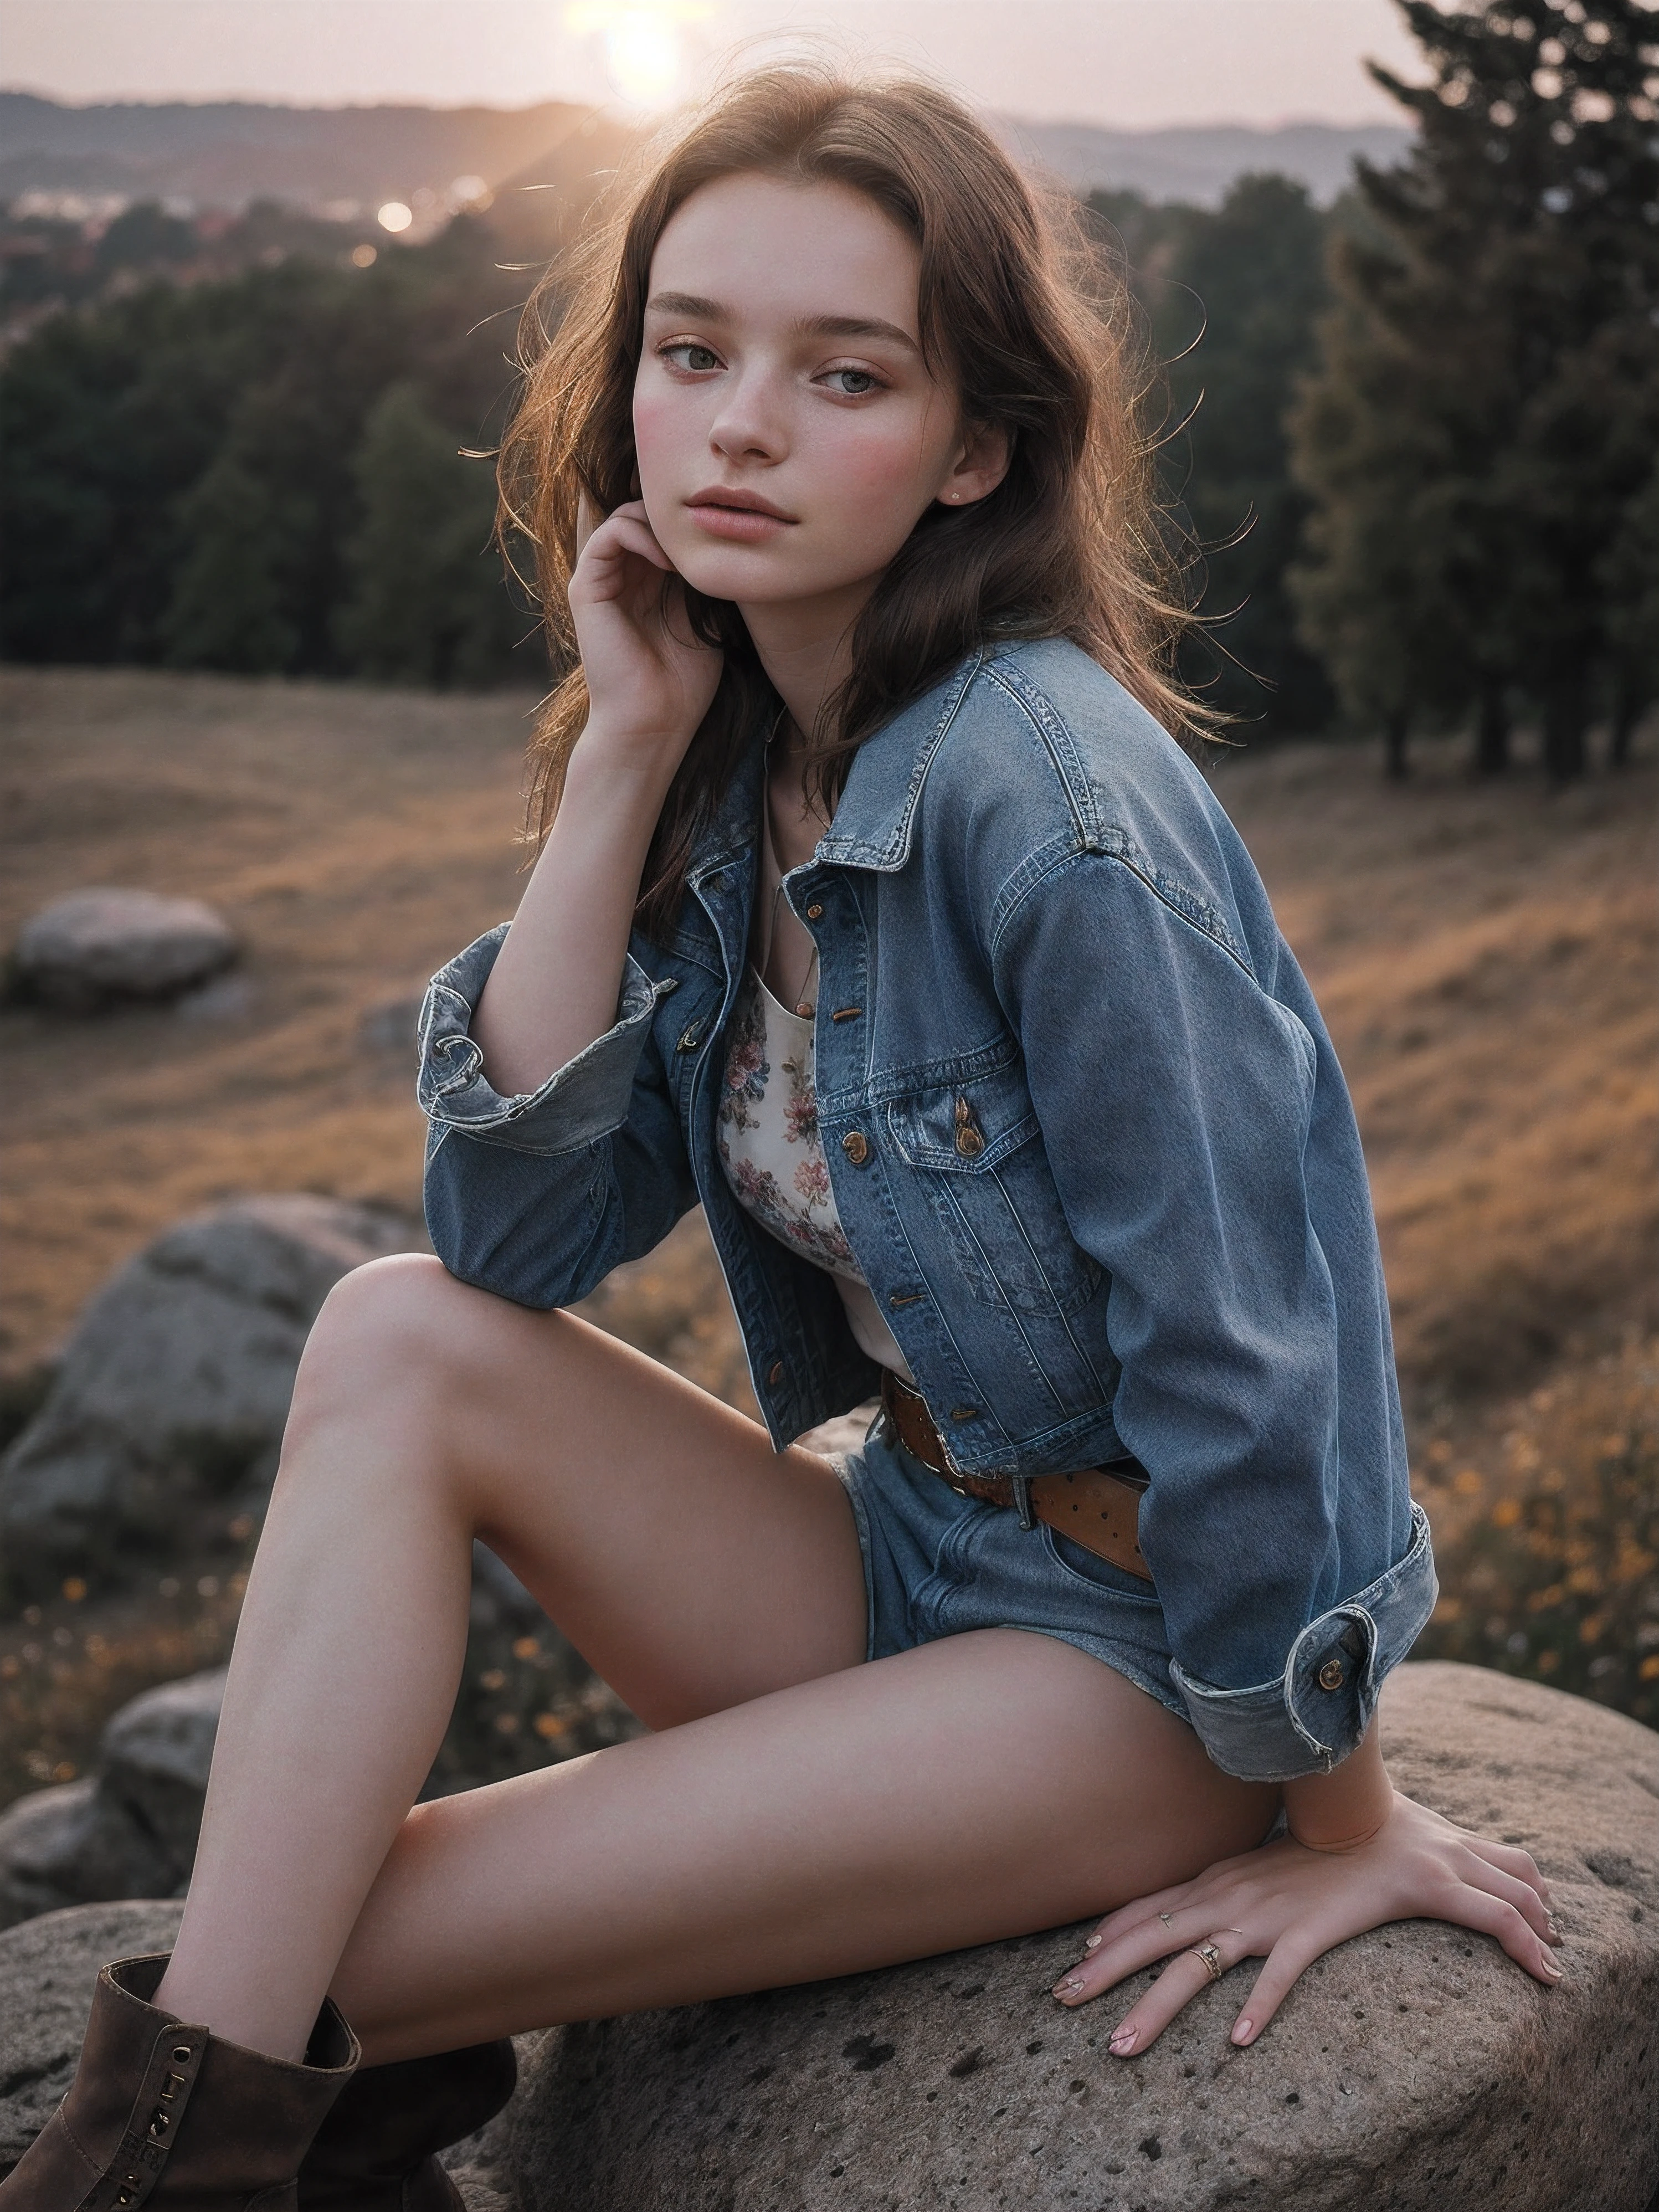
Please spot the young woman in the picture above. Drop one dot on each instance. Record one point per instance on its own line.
(882, 914)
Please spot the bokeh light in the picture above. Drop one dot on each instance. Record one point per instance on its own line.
(394, 217)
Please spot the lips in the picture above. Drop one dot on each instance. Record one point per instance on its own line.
(741, 518)
(738, 501)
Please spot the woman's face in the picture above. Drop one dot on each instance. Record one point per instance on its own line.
(788, 433)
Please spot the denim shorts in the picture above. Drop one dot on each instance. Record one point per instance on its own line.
(938, 1565)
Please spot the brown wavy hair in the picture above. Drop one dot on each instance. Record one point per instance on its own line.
(1026, 315)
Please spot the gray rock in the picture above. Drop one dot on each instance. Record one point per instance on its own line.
(226, 998)
(154, 1759)
(128, 1831)
(47, 1972)
(169, 1403)
(97, 946)
(1414, 2067)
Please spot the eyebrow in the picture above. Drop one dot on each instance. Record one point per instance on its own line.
(813, 326)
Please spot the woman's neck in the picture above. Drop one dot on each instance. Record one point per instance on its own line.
(805, 646)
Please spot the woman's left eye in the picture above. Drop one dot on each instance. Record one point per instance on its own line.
(862, 382)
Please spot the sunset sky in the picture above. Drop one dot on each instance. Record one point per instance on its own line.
(1135, 64)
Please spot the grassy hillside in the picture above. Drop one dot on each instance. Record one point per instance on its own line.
(1484, 956)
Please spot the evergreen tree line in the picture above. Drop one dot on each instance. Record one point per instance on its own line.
(1417, 436)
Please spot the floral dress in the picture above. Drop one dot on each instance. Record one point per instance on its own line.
(767, 1131)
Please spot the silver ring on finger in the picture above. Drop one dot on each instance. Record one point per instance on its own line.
(1211, 1959)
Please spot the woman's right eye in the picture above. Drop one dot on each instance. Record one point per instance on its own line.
(698, 357)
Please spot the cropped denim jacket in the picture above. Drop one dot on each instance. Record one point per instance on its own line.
(1088, 1140)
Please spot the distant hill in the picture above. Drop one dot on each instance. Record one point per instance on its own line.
(1197, 162)
(225, 153)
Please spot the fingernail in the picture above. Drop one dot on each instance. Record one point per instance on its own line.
(1094, 1941)
(1123, 2041)
(1552, 1963)
(1243, 2030)
(1071, 1989)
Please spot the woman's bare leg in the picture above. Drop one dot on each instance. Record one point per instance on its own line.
(980, 1787)
(690, 1564)
(802, 1815)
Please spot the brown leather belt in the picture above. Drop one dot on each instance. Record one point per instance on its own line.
(1095, 1507)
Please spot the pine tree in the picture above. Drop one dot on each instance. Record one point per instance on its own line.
(1505, 316)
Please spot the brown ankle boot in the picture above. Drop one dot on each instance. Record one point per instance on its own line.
(163, 2114)
(376, 2151)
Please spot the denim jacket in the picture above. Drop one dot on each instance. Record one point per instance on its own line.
(1088, 1140)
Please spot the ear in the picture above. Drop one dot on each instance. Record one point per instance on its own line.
(979, 467)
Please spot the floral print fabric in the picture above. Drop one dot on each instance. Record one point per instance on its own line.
(766, 1129)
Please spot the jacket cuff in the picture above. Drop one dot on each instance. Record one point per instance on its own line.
(586, 1099)
(1314, 1714)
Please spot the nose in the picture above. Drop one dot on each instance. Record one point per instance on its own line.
(750, 424)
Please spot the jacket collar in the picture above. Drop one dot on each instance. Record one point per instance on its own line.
(875, 818)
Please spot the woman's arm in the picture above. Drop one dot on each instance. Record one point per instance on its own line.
(554, 987)
(1358, 1854)
(554, 1149)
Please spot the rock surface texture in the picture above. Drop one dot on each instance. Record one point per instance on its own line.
(1415, 2067)
(95, 946)
(129, 1830)
(169, 1404)
(47, 1970)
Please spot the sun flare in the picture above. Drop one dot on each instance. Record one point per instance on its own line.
(643, 45)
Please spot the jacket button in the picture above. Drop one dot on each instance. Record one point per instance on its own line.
(775, 1375)
(856, 1146)
(1330, 1675)
(814, 912)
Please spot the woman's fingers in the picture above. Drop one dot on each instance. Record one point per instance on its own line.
(1290, 1958)
(1139, 1914)
(1513, 1861)
(1481, 1874)
(1135, 1948)
(1187, 1973)
(1492, 1916)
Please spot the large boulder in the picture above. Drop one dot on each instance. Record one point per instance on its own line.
(1414, 2067)
(168, 1409)
(95, 946)
(129, 1830)
(47, 1970)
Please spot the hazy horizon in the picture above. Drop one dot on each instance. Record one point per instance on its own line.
(1117, 64)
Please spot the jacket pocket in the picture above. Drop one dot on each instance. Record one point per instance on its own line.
(975, 1152)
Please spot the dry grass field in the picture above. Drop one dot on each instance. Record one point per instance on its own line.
(1485, 955)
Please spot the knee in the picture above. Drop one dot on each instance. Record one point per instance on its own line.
(388, 1335)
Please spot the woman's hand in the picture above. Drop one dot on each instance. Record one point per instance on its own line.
(649, 681)
(1289, 1904)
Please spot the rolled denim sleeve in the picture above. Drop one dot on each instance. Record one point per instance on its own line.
(537, 1195)
(1205, 1154)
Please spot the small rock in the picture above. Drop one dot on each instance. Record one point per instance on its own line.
(131, 1829)
(168, 1405)
(95, 946)
(1415, 2067)
(227, 999)
(48, 1970)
